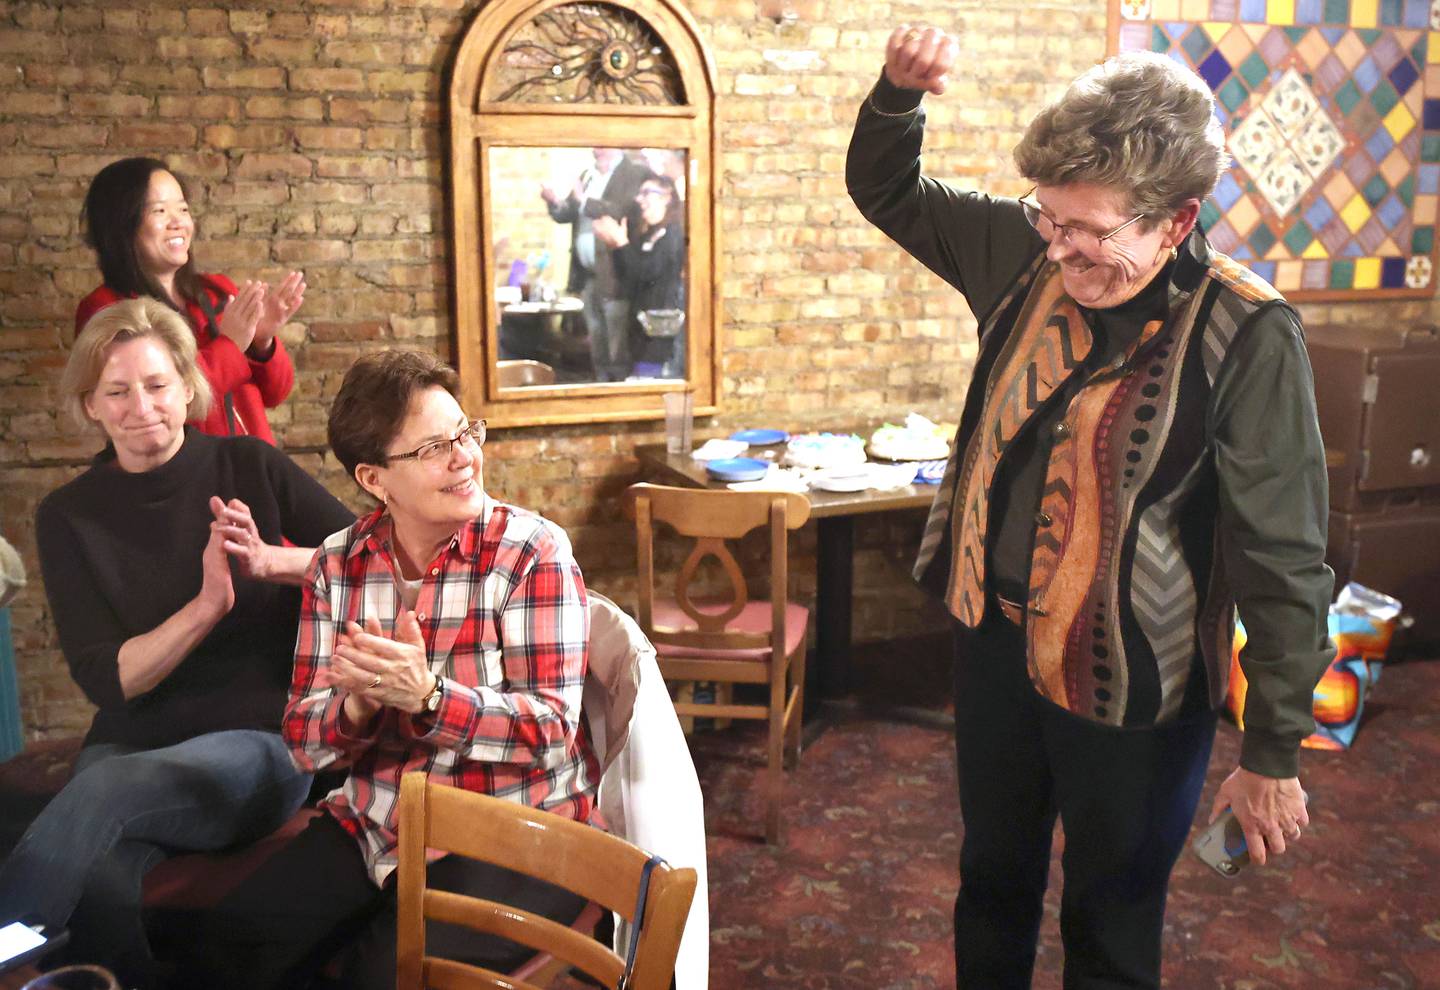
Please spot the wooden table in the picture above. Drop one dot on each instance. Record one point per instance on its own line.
(828, 678)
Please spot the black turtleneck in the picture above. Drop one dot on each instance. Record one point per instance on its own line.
(120, 554)
(1020, 478)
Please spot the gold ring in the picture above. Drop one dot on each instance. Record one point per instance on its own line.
(914, 34)
(375, 683)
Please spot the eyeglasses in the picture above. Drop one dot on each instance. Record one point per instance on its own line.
(435, 450)
(647, 191)
(1083, 240)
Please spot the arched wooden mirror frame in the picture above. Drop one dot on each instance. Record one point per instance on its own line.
(477, 126)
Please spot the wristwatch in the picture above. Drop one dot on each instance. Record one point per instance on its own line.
(431, 703)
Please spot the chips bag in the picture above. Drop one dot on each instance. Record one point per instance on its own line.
(1361, 623)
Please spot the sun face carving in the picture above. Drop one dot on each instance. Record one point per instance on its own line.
(587, 53)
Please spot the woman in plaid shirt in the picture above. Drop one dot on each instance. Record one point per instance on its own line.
(444, 632)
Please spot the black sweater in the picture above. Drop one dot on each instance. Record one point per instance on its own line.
(120, 554)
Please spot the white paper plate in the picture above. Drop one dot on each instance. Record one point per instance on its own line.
(863, 477)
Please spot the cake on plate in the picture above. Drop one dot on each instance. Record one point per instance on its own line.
(824, 450)
(918, 440)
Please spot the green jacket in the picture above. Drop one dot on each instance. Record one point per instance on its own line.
(1186, 479)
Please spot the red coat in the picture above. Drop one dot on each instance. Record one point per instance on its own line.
(252, 386)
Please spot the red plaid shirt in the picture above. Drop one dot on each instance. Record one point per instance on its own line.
(503, 612)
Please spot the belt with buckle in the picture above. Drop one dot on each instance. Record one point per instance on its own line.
(1013, 612)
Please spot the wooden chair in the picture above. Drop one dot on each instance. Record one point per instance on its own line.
(735, 640)
(606, 870)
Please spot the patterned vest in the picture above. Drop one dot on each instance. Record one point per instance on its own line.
(1127, 588)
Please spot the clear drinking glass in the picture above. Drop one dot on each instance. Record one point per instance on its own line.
(679, 421)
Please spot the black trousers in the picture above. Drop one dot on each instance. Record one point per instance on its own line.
(1125, 798)
(313, 903)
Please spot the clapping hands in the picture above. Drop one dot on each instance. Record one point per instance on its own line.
(380, 670)
(613, 232)
(280, 305)
(240, 538)
(255, 314)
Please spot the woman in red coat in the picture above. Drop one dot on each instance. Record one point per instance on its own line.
(137, 218)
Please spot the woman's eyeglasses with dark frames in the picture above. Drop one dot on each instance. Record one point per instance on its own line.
(1084, 240)
(436, 449)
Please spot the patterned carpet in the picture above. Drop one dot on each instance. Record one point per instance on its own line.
(860, 895)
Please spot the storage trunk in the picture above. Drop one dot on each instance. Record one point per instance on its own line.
(1396, 551)
(1378, 393)
(1377, 389)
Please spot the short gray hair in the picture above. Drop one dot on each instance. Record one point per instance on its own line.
(127, 320)
(1138, 122)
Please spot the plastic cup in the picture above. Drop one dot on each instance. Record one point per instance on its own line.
(679, 421)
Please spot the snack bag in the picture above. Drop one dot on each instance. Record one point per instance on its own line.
(1361, 623)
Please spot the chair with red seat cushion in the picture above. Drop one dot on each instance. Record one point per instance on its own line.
(732, 640)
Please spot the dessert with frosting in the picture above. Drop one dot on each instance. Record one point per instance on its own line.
(918, 440)
(824, 450)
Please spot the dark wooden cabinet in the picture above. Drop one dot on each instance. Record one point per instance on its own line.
(1377, 390)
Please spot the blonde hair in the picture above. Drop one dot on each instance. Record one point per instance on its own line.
(1138, 122)
(130, 320)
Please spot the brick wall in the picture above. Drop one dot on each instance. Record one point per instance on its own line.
(313, 134)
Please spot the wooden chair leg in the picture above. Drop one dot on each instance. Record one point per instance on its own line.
(685, 693)
(776, 773)
(793, 727)
(724, 695)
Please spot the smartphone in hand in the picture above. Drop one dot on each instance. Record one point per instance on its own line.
(1222, 845)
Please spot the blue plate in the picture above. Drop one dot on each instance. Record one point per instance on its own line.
(761, 438)
(930, 473)
(737, 469)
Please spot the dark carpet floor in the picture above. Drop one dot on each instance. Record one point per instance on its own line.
(860, 894)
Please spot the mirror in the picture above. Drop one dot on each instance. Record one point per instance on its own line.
(590, 257)
(583, 153)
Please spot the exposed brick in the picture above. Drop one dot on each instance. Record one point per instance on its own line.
(356, 167)
(368, 53)
(65, 135)
(198, 106)
(33, 104)
(324, 332)
(49, 76)
(327, 80)
(154, 137)
(291, 108)
(305, 252)
(202, 49)
(391, 81)
(287, 51)
(344, 110)
(249, 21)
(207, 20)
(243, 77)
(329, 138)
(251, 136)
(248, 194)
(175, 78)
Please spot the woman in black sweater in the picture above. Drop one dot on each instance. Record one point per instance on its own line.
(176, 603)
(650, 262)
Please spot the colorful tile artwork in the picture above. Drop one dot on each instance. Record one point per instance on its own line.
(1331, 111)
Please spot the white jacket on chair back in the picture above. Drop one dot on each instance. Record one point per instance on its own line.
(649, 794)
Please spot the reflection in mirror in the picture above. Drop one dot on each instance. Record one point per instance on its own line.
(590, 248)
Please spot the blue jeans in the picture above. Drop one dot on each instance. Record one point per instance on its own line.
(125, 810)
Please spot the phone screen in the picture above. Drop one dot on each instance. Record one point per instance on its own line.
(16, 938)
